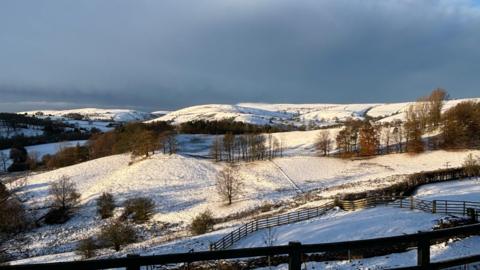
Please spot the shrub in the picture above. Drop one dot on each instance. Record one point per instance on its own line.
(139, 209)
(105, 205)
(202, 223)
(12, 213)
(117, 234)
(86, 248)
(12, 216)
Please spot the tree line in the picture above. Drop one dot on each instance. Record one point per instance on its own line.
(53, 131)
(229, 126)
(458, 127)
(245, 147)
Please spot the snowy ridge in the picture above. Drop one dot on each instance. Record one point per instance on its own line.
(116, 115)
(293, 114)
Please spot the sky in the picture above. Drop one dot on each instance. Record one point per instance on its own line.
(168, 54)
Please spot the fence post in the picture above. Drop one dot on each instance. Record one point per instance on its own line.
(411, 203)
(472, 214)
(131, 265)
(294, 256)
(423, 253)
(434, 206)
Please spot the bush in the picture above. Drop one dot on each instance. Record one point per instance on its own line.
(139, 209)
(86, 248)
(117, 234)
(105, 205)
(13, 217)
(202, 223)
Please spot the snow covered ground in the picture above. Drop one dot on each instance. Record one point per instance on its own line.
(340, 225)
(462, 190)
(183, 186)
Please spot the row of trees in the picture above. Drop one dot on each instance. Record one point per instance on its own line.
(137, 138)
(247, 147)
(229, 126)
(366, 138)
(363, 138)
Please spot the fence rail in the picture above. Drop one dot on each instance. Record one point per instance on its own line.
(435, 206)
(269, 222)
(296, 253)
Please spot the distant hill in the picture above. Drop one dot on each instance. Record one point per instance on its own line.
(292, 114)
(93, 114)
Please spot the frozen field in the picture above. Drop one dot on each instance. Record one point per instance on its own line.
(183, 186)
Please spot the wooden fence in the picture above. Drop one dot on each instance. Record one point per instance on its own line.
(263, 223)
(435, 206)
(295, 251)
(449, 207)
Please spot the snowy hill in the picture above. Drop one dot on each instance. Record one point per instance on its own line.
(293, 114)
(95, 114)
(182, 187)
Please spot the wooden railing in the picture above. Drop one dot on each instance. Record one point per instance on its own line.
(268, 222)
(295, 251)
(435, 206)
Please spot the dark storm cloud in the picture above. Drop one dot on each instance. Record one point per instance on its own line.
(166, 54)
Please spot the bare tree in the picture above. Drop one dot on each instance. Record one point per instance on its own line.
(398, 135)
(216, 150)
(169, 142)
(471, 165)
(386, 137)
(228, 184)
(64, 192)
(436, 99)
(324, 142)
(145, 142)
(3, 160)
(414, 130)
(270, 237)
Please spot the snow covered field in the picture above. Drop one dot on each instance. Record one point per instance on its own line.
(462, 190)
(336, 226)
(183, 186)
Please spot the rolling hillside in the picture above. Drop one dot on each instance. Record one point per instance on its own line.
(316, 115)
